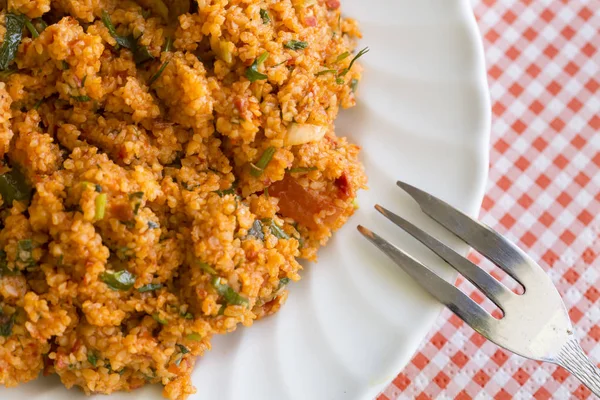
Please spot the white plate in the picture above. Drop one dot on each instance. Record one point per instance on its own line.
(355, 319)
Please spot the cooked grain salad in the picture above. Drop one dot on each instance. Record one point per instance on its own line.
(164, 165)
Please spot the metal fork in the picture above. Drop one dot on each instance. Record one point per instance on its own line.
(535, 324)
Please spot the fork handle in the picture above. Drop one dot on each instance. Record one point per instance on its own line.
(573, 359)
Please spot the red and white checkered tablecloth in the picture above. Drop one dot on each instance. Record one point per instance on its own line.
(543, 60)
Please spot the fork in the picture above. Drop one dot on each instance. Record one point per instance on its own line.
(534, 324)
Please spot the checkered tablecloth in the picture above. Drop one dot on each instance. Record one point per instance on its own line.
(543, 193)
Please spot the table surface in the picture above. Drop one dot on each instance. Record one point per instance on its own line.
(543, 193)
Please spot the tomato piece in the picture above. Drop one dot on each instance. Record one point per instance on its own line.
(301, 204)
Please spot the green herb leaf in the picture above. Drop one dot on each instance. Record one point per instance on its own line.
(153, 225)
(230, 295)
(100, 204)
(301, 170)
(6, 324)
(14, 186)
(356, 57)
(206, 268)
(275, 230)
(231, 190)
(168, 44)
(183, 349)
(160, 320)
(136, 201)
(14, 33)
(296, 45)
(194, 336)
(81, 99)
(92, 358)
(7, 73)
(31, 28)
(158, 73)
(252, 71)
(141, 55)
(25, 252)
(150, 287)
(284, 281)
(65, 65)
(257, 230)
(121, 280)
(342, 56)
(97, 188)
(187, 315)
(339, 80)
(326, 71)
(265, 159)
(264, 15)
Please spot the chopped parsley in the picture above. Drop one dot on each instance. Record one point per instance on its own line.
(14, 186)
(295, 45)
(121, 280)
(264, 15)
(356, 57)
(194, 336)
(92, 358)
(140, 53)
(81, 99)
(258, 168)
(159, 319)
(158, 73)
(136, 200)
(14, 33)
(230, 295)
(275, 229)
(25, 252)
(301, 170)
(150, 287)
(252, 71)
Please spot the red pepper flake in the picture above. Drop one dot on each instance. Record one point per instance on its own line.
(310, 21)
(333, 4)
(241, 104)
(345, 190)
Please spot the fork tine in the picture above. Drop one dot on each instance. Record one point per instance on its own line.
(496, 291)
(447, 294)
(482, 238)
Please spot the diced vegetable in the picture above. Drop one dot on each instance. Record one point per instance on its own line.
(300, 203)
(159, 319)
(295, 45)
(120, 280)
(187, 315)
(264, 15)
(14, 33)
(100, 203)
(194, 336)
(257, 230)
(25, 252)
(261, 164)
(230, 295)
(252, 71)
(304, 133)
(353, 84)
(14, 186)
(152, 225)
(150, 287)
(283, 282)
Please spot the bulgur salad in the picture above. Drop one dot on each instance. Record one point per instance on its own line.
(164, 163)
